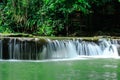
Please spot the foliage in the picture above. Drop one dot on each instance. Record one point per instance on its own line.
(3, 26)
(43, 17)
(37, 16)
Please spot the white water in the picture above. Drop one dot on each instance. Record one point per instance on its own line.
(108, 49)
(59, 49)
(65, 59)
(70, 48)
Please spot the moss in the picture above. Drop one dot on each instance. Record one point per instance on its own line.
(45, 38)
(16, 35)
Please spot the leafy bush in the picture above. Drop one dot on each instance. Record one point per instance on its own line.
(43, 17)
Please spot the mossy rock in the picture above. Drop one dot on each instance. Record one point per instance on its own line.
(16, 35)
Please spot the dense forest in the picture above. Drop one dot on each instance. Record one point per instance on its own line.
(60, 17)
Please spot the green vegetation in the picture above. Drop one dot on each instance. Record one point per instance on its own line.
(44, 17)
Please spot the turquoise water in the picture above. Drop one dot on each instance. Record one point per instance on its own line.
(83, 69)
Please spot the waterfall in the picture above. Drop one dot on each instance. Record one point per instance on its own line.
(108, 48)
(24, 48)
(73, 48)
(36, 49)
(59, 49)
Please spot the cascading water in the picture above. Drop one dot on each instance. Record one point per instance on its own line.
(24, 49)
(36, 49)
(108, 48)
(21, 48)
(59, 49)
(87, 48)
(73, 48)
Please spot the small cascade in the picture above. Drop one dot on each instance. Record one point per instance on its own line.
(108, 48)
(87, 48)
(116, 43)
(59, 49)
(24, 49)
(36, 49)
(73, 48)
(21, 48)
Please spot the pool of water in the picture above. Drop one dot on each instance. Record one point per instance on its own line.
(65, 69)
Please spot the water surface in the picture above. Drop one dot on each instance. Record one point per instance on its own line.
(74, 69)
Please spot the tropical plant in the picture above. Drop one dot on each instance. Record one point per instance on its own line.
(43, 17)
